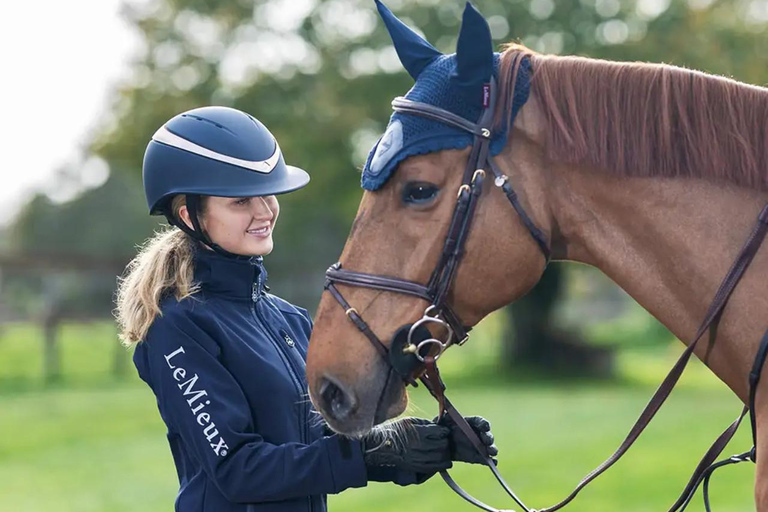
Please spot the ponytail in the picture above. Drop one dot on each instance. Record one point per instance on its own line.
(164, 264)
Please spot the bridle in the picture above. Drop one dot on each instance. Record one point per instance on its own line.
(416, 340)
(414, 350)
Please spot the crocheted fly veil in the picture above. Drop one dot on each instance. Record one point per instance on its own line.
(457, 82)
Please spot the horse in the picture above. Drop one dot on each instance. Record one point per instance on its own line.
(651, 173)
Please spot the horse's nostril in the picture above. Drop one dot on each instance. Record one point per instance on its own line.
(337, 402)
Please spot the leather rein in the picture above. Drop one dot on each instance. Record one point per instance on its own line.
(414, 350)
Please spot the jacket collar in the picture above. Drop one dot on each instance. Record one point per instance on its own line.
(241, 279)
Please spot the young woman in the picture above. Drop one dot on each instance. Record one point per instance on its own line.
(224, 357)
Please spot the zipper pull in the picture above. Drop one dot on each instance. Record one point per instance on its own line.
(255, 292)
(288, 340)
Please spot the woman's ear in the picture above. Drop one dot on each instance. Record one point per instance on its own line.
(184, 216)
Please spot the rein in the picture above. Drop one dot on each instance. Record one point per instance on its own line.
(414, 351)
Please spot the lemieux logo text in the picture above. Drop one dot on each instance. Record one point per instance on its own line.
(197, 404)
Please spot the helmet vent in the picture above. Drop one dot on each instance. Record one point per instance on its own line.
(198, 118)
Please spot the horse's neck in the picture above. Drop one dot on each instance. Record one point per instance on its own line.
(669, 244)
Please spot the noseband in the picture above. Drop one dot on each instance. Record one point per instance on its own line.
(414, 351)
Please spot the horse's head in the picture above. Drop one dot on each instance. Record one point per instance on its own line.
(416, 179)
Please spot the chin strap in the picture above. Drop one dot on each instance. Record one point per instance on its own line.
(198, 233)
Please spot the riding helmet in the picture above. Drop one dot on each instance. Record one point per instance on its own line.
(215, 151)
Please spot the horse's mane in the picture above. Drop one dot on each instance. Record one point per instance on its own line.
(639, 119)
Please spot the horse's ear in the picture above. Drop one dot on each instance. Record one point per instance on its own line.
(474, 51)
(414, 51)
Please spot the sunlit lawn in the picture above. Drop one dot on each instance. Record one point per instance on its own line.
(96, 443)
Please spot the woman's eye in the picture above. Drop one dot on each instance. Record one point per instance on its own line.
(419, 193)
(242, 201)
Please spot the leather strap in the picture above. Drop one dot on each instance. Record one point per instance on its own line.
(722, 295)
(391, 284)
(434, 384)
(754, 379)
(537, 234)
(706, 466)
(417, 108)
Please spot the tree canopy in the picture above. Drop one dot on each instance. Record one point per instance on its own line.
(321, 73)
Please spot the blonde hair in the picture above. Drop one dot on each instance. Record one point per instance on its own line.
(163, 265)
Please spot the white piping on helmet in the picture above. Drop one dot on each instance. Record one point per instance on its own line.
(164, 136)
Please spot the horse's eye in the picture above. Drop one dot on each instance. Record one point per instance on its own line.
(419, 193)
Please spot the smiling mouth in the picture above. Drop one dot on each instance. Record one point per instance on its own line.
(261, 232)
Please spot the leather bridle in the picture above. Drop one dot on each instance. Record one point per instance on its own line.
(414, 350)
(435, 292)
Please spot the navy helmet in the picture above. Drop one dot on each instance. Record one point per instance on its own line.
(213, 151)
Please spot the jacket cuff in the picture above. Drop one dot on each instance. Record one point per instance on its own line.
(396, 475)
(346, 460)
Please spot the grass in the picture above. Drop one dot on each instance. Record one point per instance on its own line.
(94, 442)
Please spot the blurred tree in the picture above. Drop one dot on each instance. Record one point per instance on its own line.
(104, 222)
(321, 74)
(76, 246)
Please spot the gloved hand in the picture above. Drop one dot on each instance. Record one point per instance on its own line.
(414, 445)
(461, 447)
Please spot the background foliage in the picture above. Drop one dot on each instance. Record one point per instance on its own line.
(321, 73)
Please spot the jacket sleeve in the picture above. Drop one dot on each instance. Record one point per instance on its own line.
(201, 401)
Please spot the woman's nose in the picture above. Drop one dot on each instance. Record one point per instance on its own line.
(261, 209)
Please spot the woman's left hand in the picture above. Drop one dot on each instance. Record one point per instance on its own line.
(462, 449)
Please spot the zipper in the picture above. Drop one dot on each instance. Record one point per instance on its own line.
(283, 346)
(284, 355)
(306, 406)
(285, 339)
(256, 289)
(288, 361)
(299, 371)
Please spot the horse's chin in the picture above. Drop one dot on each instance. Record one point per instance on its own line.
(393, 403)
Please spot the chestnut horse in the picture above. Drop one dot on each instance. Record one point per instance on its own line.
(651, 173)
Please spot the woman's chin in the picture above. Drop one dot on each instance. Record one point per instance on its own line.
(257, 247)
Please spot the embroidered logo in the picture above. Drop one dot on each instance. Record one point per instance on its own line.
(197, 401)
(388, 146)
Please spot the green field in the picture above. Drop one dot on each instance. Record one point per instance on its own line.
(94, 442)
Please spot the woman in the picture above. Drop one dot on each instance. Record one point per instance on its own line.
(225, 358)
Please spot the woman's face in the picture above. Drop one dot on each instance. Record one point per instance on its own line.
(240, 225)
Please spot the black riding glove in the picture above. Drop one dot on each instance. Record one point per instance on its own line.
(462, 448)
(412, 444)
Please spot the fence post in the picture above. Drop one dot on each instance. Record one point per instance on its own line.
(51, 353)
(51, 319)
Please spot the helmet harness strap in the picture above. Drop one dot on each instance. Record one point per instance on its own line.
(198, 233)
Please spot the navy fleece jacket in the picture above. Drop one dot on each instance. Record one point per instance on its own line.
(227, 368)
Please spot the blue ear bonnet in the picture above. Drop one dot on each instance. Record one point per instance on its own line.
(458, 83)
(408, 135)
